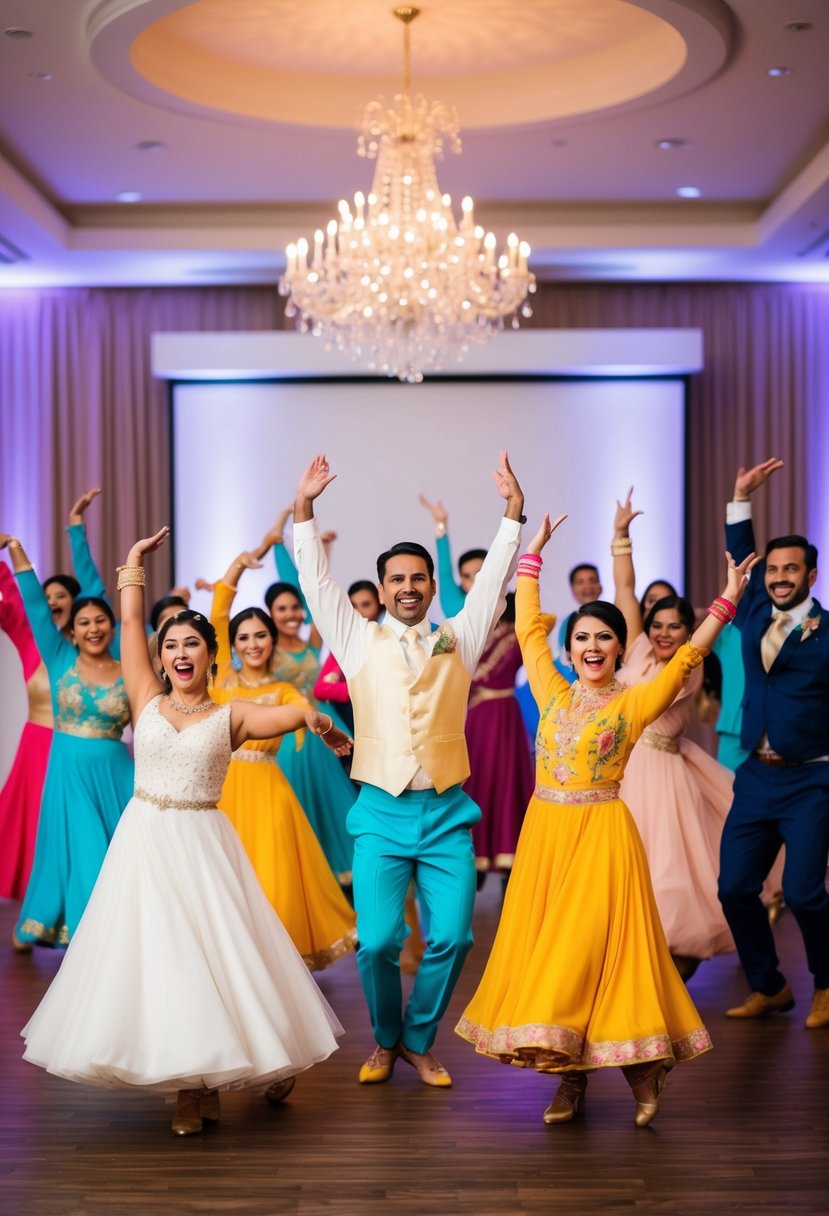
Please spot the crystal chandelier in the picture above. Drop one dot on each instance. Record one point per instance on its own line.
(396, 282)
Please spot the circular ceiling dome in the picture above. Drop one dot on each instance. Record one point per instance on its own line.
(319, 63)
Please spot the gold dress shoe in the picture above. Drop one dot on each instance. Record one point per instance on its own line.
(279, 1091)
(430, 1070)
(647, 1082)
(209, 1105)
(819, 1013)
(379, 1066)
(569, 1099)
(775, 907)
(756, 1005)
(187, 1120)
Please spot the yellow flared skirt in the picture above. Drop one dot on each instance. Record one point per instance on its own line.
(580, 976)
(288, 861)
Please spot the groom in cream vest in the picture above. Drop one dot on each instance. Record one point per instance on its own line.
(409, 685)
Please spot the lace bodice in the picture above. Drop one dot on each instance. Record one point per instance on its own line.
(91, 711)
(298, 667)
(180, 767)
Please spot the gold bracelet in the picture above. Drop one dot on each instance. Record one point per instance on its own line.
(330, 726)
(131, 576)
(13, 543)
(622, 547)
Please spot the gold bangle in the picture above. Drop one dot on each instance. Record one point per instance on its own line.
(131, 576)
(621, 548)
(330, 726)
(13, 543)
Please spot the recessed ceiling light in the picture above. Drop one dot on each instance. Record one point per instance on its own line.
(798, 27)
(779, 72)
(16, 31)
(129, 196)
(688, 191)
(668, 145)
(40, 75)
(150, 145)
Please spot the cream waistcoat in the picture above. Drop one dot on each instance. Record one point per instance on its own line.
(403, 722)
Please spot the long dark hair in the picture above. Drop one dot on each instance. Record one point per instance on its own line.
(252, 614)
(86, 601)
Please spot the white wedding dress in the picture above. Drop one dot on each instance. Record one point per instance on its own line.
(180, 975)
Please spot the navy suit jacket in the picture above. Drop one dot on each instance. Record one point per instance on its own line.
(790, 703)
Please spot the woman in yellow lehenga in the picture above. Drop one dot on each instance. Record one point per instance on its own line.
(258, 800)
(580, 976)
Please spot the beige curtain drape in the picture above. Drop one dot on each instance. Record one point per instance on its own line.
(79, 407)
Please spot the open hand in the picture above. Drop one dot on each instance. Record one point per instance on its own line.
(315, 478)
(323, 725)
(737, 576)
(436, 509)
(749, 480)
(148, 545)
(625, 514)
(80, 504)
(545, 531)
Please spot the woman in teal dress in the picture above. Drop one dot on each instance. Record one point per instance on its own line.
(317, 777)
(89, 778)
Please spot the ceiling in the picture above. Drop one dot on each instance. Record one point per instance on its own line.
(235, 122)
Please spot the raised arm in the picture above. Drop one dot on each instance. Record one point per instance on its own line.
(724, 608)
(739, 527)
(140, 678)
(224, 593)
(484, 605)
(49, 641)
(13, 621)
(451, 595)
(531, 624)
(624, 575)
(340, 625)
(83, 563)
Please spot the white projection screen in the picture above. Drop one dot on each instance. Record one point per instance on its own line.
(576, 445)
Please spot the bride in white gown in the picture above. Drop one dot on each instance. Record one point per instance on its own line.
(180, 976)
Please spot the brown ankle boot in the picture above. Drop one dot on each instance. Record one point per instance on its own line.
(646, 1081)
(569, 1099)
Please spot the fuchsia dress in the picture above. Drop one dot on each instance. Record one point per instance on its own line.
(500, 755)
(20, 796)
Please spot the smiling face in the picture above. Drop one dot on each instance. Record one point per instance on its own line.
(366, 603)
(60, 604)
(254, 645)
(92, 632)
(585, 585)
(594, 649)
(287, 614)
(185, 659)
(655, 593)
(468, 572)
(406, 590)
(667, 633)
(787, 580)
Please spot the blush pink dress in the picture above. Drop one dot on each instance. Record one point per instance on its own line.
(679, 797)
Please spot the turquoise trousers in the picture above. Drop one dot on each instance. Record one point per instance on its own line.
(425, 836)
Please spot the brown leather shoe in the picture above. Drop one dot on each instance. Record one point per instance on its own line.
(819, 1013)
(756, 1005)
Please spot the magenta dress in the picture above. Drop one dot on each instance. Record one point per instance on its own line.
(500, 754)
(20, 796)
(679, 797)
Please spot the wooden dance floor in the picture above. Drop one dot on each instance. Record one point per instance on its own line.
(745, 1129)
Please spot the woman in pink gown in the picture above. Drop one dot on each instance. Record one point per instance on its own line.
(20, 796)
(678, 795)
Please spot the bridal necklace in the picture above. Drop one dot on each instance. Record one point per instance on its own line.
(189, 709)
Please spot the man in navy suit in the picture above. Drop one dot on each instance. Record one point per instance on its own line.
(781, 792)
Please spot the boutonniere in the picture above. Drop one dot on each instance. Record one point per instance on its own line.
(445, 643)
(808, 627)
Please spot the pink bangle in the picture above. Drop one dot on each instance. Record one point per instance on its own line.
(534, 559)
(723, 610)
(529, 565)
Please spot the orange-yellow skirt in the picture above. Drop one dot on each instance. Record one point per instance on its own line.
(289, 863)
(580, 976)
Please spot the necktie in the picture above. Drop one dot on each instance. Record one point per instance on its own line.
(773, 639)
(415, 657)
